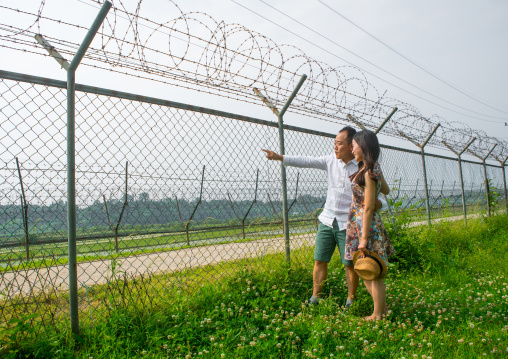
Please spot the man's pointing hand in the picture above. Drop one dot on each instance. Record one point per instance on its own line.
(272, 156)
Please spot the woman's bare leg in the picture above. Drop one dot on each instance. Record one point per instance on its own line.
(377, 290)
(368, 285)
(379, 296)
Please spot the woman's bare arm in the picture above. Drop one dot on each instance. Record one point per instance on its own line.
(368, 209)
(384, 186)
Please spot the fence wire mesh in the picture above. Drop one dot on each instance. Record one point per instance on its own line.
(167, 197)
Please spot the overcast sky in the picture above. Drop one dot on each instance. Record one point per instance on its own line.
(462, 43)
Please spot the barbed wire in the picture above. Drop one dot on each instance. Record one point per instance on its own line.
(229, 60)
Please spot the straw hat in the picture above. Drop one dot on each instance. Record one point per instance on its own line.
(371, 267)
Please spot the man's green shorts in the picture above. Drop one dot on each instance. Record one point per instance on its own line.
(326, 240)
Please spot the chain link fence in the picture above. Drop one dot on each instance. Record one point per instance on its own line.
(168, 196)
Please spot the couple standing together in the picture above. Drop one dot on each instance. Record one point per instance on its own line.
(350, 219)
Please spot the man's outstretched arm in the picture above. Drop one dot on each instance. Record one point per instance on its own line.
(298, 161)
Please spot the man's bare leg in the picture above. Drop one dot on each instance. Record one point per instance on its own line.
(319, 275)
(352, 280)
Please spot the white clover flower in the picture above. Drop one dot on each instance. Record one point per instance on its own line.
(279, 345)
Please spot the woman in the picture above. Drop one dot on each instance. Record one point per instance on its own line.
(365, 230)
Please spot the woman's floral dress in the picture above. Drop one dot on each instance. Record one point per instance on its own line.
(378, 240)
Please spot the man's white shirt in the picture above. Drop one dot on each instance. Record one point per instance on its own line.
(339, 195)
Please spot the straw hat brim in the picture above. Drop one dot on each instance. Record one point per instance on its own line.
(373, 260)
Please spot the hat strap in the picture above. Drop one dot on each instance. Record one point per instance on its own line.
(376, 260)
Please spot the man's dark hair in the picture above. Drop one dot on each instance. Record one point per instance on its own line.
(350, 133)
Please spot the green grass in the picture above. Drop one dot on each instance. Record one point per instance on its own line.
(447, 292)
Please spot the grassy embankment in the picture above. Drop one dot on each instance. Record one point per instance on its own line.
(447, 291)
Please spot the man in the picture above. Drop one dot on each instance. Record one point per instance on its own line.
(333, 220)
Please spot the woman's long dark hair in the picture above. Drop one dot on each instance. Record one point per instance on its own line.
(369, 144)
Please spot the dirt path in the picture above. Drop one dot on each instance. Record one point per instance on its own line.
(32, 281)
(96, 272)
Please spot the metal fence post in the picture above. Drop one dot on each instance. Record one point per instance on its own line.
(280, 118)
(71, 155)
(425, 186)
(285, 212)
(483, 159)
(424, 170)
(462, 192)
(459, 154)
(24, 212)
(487, 186)
(503, 164)
(487, 189)
(427, 203)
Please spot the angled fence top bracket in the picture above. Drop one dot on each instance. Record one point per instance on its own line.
(52, 51)
(266, 101)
